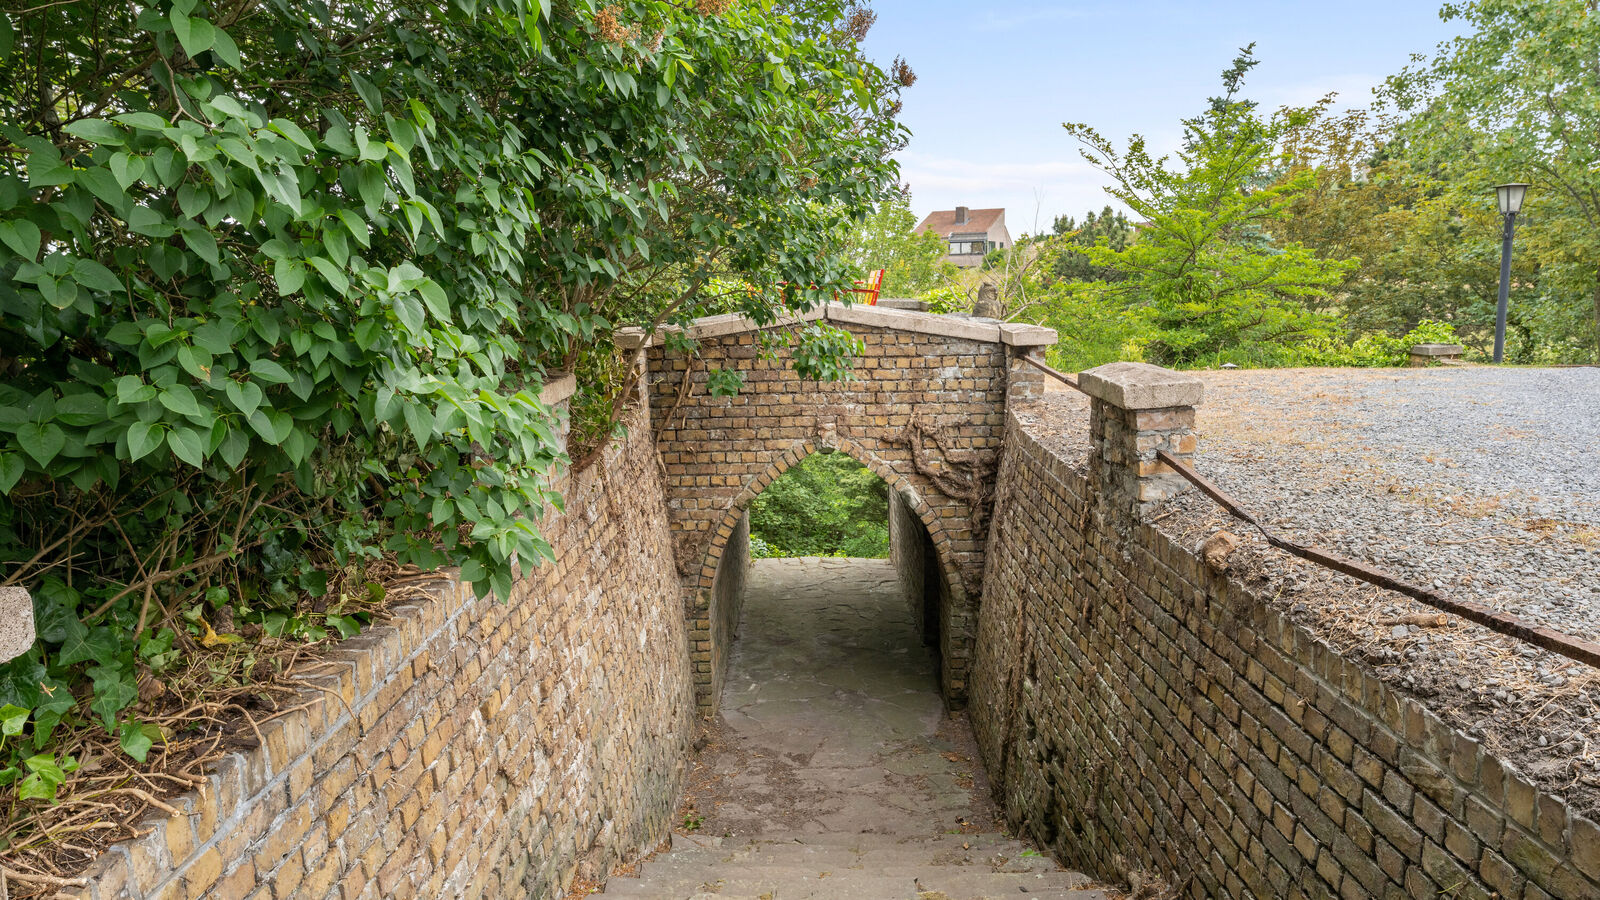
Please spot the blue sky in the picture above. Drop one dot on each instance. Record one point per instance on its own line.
(996, 80)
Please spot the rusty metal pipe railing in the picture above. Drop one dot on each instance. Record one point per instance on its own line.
(1065, 379)
(1567, 645)
(1558, 642)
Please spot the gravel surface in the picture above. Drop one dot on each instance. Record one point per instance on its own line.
(1484, 483)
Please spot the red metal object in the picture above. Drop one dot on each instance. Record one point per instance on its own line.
(873, 285)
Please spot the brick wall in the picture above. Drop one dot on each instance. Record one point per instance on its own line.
(469, 748)
(926, 407)
(916, 566)
(727, 601)
(1143, 713)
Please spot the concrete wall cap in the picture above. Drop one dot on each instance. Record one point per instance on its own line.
(1436, 350)
(559, 390)
(858, 314)
(1135, 385)
(16, 622)
(630, 338)
(917, 322)
(902, 303)
(1021, 335)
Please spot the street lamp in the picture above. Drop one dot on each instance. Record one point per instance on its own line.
(1511, 197)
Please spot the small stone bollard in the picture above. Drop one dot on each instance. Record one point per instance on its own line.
(1135, 410)
(16, 622)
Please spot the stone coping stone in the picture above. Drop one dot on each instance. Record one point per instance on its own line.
(16, 622)
(880, 316)
(1020, 335)
(559, 390)
(1136, 385)
(1437, 350)
(902, 303)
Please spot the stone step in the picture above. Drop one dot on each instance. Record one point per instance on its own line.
(863, 866)
(982, 842)
(910, 857)
(793, 886)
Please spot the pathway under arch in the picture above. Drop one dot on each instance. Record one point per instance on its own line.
(925, 410)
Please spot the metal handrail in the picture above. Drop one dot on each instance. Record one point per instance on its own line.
(1063, 378)
(1558, 642)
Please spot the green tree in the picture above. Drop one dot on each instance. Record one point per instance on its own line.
(912, 263)
(827, 505)
(279, 285)
(1205, 271)
(1071, 263)
(1517, 98)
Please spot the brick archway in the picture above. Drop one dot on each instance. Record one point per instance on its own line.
(821, 444)
(925, 410)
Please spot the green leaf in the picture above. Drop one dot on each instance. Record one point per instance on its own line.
(273, 426)
(196, 35)
(12, 468)
(45, 778)
(225, 49)
(188, 446)
(410, 314)
(97, 131)
(196, 361)
(96, 277)
(234, 446)
(434, 296)
(419, 421)
(270, 371)
(202, 243)
(131, 389)
(137, 739)
(331, 272)
(294, 133)
(114, 690)
(21, 236)
(12, 719)
(180, 400)
(81, 410)
(144, 438)
(127, 168)
(43, 441)
(245, 396)
(98, 644)
(290, 274)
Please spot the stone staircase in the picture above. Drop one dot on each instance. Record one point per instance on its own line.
(852, 867)
(833, 771)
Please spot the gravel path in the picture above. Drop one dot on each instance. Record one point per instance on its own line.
(1482, 482)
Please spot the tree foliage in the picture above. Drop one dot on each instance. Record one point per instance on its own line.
(280, 283)
(1517, 98)
(827, 505)
(1204, 270)
(912, 263)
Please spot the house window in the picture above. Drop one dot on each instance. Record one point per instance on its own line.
(967, 248)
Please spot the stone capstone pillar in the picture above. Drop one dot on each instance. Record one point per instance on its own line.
(1136, 409)
(16, 622)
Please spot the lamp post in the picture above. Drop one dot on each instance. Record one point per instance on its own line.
(1511, 197)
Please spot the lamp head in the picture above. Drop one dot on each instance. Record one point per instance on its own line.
(1511, 197)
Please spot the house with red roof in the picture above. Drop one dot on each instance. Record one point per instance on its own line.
(970, 234)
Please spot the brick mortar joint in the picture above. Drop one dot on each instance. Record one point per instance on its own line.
(225, 828)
